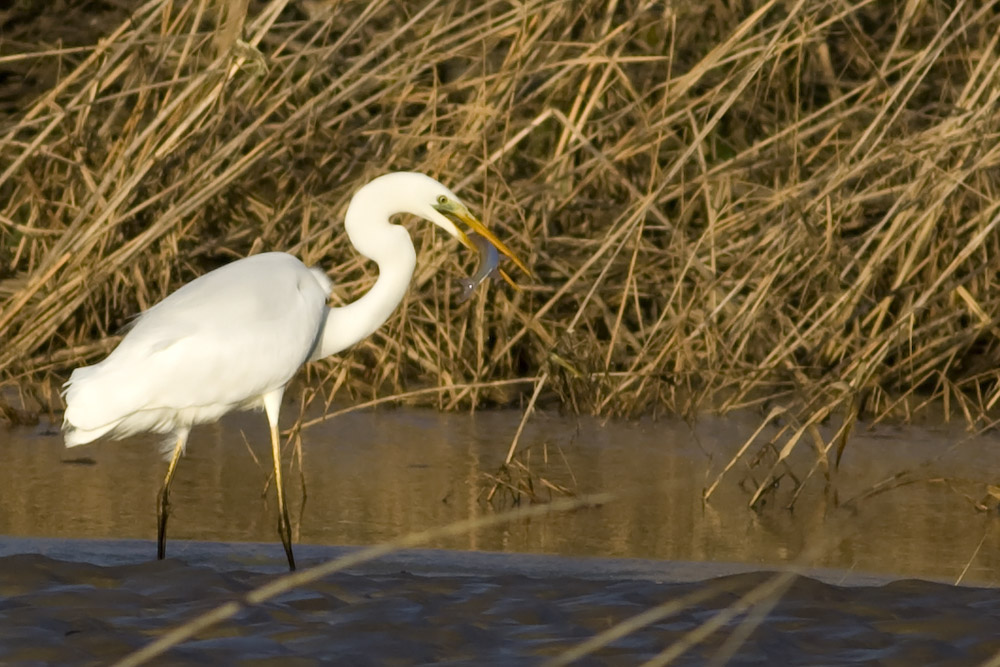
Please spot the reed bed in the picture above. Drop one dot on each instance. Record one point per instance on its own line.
(787, 206)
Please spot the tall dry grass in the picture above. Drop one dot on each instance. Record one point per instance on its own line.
(725, 204)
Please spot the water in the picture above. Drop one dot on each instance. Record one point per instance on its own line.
(78, 584)
(373, 476)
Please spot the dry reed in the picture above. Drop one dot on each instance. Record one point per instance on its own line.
(725, 204)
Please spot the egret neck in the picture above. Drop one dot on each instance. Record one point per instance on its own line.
(390, 247)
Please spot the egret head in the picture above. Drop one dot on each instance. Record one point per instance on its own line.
(453, 210)
(421, 195)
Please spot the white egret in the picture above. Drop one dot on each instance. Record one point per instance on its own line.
(233, 338)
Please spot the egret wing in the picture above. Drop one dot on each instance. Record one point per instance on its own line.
(216, 344)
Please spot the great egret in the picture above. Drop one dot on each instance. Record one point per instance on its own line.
(233, 338)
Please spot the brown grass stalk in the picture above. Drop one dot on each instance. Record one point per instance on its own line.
(723, 207)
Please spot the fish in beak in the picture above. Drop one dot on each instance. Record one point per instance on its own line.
(457, 212)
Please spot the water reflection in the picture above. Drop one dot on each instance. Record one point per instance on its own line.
(373, 476)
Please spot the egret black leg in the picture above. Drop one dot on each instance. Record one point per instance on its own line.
(272, 406)
(284, 525)
(162, 499)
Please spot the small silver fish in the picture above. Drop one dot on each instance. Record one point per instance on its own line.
(489, 265)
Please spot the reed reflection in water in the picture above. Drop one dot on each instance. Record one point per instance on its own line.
(373, 476)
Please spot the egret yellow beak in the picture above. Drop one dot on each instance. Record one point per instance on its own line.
(457, 212)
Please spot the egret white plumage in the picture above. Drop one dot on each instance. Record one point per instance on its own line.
(234, 337)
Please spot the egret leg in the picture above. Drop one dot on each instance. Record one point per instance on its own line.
(272, 406)
(162, 498)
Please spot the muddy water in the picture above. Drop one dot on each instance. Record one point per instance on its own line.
(373, 476)
(78, 586)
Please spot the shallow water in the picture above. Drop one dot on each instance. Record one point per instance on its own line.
(374, 476)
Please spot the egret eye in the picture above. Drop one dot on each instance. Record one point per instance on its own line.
(442, 200)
